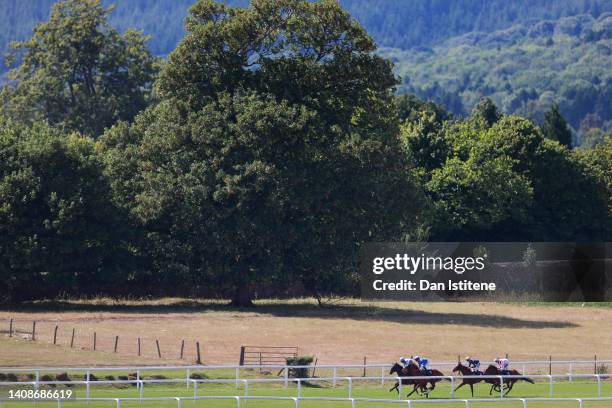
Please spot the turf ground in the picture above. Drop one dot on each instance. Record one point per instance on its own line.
(360, 390)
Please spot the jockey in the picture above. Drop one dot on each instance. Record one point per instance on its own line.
(406, 361)
(423, 364)
(473, 364)
(503, 364)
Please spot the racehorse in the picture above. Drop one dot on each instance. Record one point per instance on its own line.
(419, 385)
(508, 382)
(466, 371)
(401, 372)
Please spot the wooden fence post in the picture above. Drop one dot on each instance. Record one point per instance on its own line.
(550, 365)
(364, 365)
(241, 356)
(116, 343)
(94, 341)
(72, 339)
(158, 349)
(182, 348)
(139, 347)
(199, 357)
(595, 364)
(55, 334)
(314, 367)
(11, 328)
(34, 330)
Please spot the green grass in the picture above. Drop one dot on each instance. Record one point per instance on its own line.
(361, 389)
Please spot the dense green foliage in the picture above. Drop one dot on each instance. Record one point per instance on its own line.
(78, 73)
(392, 23)
(525, 55)
(555, 127)
(524, 69)
(274, 148)
(58, 230)
(495, 178)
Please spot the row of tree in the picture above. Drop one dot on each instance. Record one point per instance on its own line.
(265, 150)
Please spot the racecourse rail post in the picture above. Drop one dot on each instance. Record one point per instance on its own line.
(187, 376)
(238, 380)
(299, 388)
(501, 386)
(246, 387)
(335, 371)
(350, 387)
(571, 369)
(452, 380)
(552, 386)
(382, 376)
(286, 377)
(195, 389)
(87, 378)
(598, 385)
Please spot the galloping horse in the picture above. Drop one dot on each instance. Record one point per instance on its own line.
(466, 371)
(419, 385)
(508, 382)
(401, 372)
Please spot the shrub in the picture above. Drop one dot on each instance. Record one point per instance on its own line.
(299, 372)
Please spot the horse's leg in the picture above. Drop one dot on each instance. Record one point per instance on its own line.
(472, 388)
(395, 387)
(433, 385)
(424, 389)
(461, 385)
(412, 392)
(510, 385)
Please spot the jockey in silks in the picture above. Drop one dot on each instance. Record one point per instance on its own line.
(474, 365)
(406, 361)
(423, 364)
(503, 364)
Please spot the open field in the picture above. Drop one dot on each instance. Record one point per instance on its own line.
(341, 333)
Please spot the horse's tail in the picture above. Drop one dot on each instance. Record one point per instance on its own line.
(529, 380)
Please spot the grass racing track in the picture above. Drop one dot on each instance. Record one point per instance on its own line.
(361, 389)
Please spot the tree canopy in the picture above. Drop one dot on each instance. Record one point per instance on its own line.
(274, 148)
(78, 72)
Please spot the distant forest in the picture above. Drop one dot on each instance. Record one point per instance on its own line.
(525, 54)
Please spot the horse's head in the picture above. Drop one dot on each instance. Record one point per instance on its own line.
(459, 368)
(396, 368)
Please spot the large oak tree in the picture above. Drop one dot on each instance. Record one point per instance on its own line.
(273, 152)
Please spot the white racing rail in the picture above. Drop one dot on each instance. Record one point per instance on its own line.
(198, 384)
(526, 367)
(297, 400)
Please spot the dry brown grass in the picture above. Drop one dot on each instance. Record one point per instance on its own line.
(343, 333)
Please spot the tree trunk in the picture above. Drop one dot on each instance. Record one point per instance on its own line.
(242, 296)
